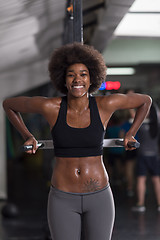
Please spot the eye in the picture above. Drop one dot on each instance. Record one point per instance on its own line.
(83, 74)
(70, 75)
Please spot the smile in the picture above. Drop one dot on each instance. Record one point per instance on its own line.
(78, 87)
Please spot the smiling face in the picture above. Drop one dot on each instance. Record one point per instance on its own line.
(77, 80)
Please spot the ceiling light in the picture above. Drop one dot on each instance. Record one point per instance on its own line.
(145, 6)
(121, 71)
(140, 25)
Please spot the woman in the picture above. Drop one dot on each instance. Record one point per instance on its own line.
(80, 199)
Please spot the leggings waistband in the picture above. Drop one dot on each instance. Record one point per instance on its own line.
(79, 194)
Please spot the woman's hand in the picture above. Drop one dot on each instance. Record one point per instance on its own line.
(129, 138)
(31, 141)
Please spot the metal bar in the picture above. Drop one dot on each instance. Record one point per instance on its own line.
(77, 21)
(73, 24)
(114, 142)
(68, 23)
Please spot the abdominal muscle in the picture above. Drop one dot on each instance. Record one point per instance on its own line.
(78, 175)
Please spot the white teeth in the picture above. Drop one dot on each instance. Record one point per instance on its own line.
(77, 86)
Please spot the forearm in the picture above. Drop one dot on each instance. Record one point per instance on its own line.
(17, 121)
(14, 106)
(140, 115)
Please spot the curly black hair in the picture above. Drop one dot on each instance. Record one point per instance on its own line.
(73, 53)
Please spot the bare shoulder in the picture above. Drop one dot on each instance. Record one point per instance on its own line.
(106, 99)
(47, 107)
(51, 104)
(50, 109)
(117, 101)
(106, 102)
(40, 104)
(26, 104)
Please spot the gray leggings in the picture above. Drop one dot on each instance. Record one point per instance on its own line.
(75, 216)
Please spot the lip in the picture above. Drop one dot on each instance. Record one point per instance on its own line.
(78, 86)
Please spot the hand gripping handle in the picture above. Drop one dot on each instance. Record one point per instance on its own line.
(26, 148)
(130, 144)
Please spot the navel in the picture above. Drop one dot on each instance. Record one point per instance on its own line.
(79, 171)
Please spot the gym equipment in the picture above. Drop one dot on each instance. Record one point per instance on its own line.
(10, 210)
(153, 121)
(114, 142)
(73, 30)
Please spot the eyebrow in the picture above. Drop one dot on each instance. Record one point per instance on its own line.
(80, 71)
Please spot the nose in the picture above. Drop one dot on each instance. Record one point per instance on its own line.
(77, 78)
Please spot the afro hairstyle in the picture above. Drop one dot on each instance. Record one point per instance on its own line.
(73, 53)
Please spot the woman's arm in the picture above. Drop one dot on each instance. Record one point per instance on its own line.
(140, 102)
(14, 106)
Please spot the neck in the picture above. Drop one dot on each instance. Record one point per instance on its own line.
(78, 104)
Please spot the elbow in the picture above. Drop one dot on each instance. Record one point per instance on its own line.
(149, 100)
(147, 103)
(5, 104)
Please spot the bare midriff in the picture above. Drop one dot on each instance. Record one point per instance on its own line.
(78, 175)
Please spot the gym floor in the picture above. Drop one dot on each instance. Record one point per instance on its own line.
(28, 192)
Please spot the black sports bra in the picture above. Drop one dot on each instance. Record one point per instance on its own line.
(78, 142)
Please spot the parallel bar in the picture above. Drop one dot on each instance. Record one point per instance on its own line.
(114, 142)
